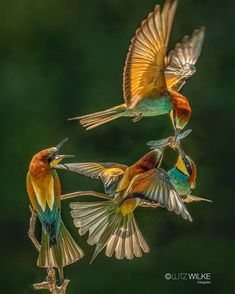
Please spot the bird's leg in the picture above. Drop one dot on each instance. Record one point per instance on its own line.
(85, 193)
(137, 118)
(31, 231)
(50, 283)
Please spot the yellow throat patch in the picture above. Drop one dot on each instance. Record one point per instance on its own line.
(128, 206)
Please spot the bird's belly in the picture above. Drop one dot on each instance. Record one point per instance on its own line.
(151, 107)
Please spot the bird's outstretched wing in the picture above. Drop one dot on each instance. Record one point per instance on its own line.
(144, 68)
(182, 60)
(109, 173)
(154, 187)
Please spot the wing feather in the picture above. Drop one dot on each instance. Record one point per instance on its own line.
(144, 68)
(154, 187)
(182, 60)
(109, 173)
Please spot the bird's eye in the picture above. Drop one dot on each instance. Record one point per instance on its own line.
(51, 157)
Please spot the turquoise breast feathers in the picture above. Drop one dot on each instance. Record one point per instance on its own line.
(180, 181)
(151, 107)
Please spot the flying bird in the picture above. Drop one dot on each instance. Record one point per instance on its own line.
(58, 248)
(112, 224)
(152, 78)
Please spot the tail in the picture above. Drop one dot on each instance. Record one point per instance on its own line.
(93, 120)
(109, 228)
(63, 251)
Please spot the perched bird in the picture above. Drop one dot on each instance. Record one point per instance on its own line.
(112, 224)
(58, 248)
(152, 79)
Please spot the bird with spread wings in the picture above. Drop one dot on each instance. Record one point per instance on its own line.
(112, 223)
(152, 77)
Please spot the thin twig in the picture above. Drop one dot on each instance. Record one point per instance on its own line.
(103, 196)
(50, 283)
(31, 231)
(85, 193)
(148, 204)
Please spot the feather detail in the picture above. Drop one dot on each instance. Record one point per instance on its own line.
(109, 228)
(144, 68)
(182, 60)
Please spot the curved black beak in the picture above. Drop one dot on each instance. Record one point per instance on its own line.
(181, 151)
(61, 144)
(186, 162)
(55, 157)
(59, 157)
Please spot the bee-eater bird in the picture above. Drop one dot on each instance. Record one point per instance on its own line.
(112, 224)
(183, 175)
(58, 248)
(152, 79)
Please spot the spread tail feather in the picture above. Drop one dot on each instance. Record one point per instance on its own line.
(109, 228)
(63, 252)
(93, 120)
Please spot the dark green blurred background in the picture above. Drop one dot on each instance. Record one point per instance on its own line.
(64, 58)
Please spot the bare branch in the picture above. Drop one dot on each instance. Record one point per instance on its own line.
(31, 231)
(143, 203)
(50, 283)
(148, 204)
(85, 193)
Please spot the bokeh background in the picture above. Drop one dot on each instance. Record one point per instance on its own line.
(59, 59)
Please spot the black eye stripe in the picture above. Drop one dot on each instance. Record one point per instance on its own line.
(52, 157)
(187, 165)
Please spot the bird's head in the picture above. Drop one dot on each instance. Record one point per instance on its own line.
(50, 155)
(158, 153)
(187, 166)
(150, 160)
(181, 111)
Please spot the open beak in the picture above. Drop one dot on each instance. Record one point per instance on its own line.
(177, 133)
(181, 151)
(58, 147)
(185, 160)
(59, 157)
